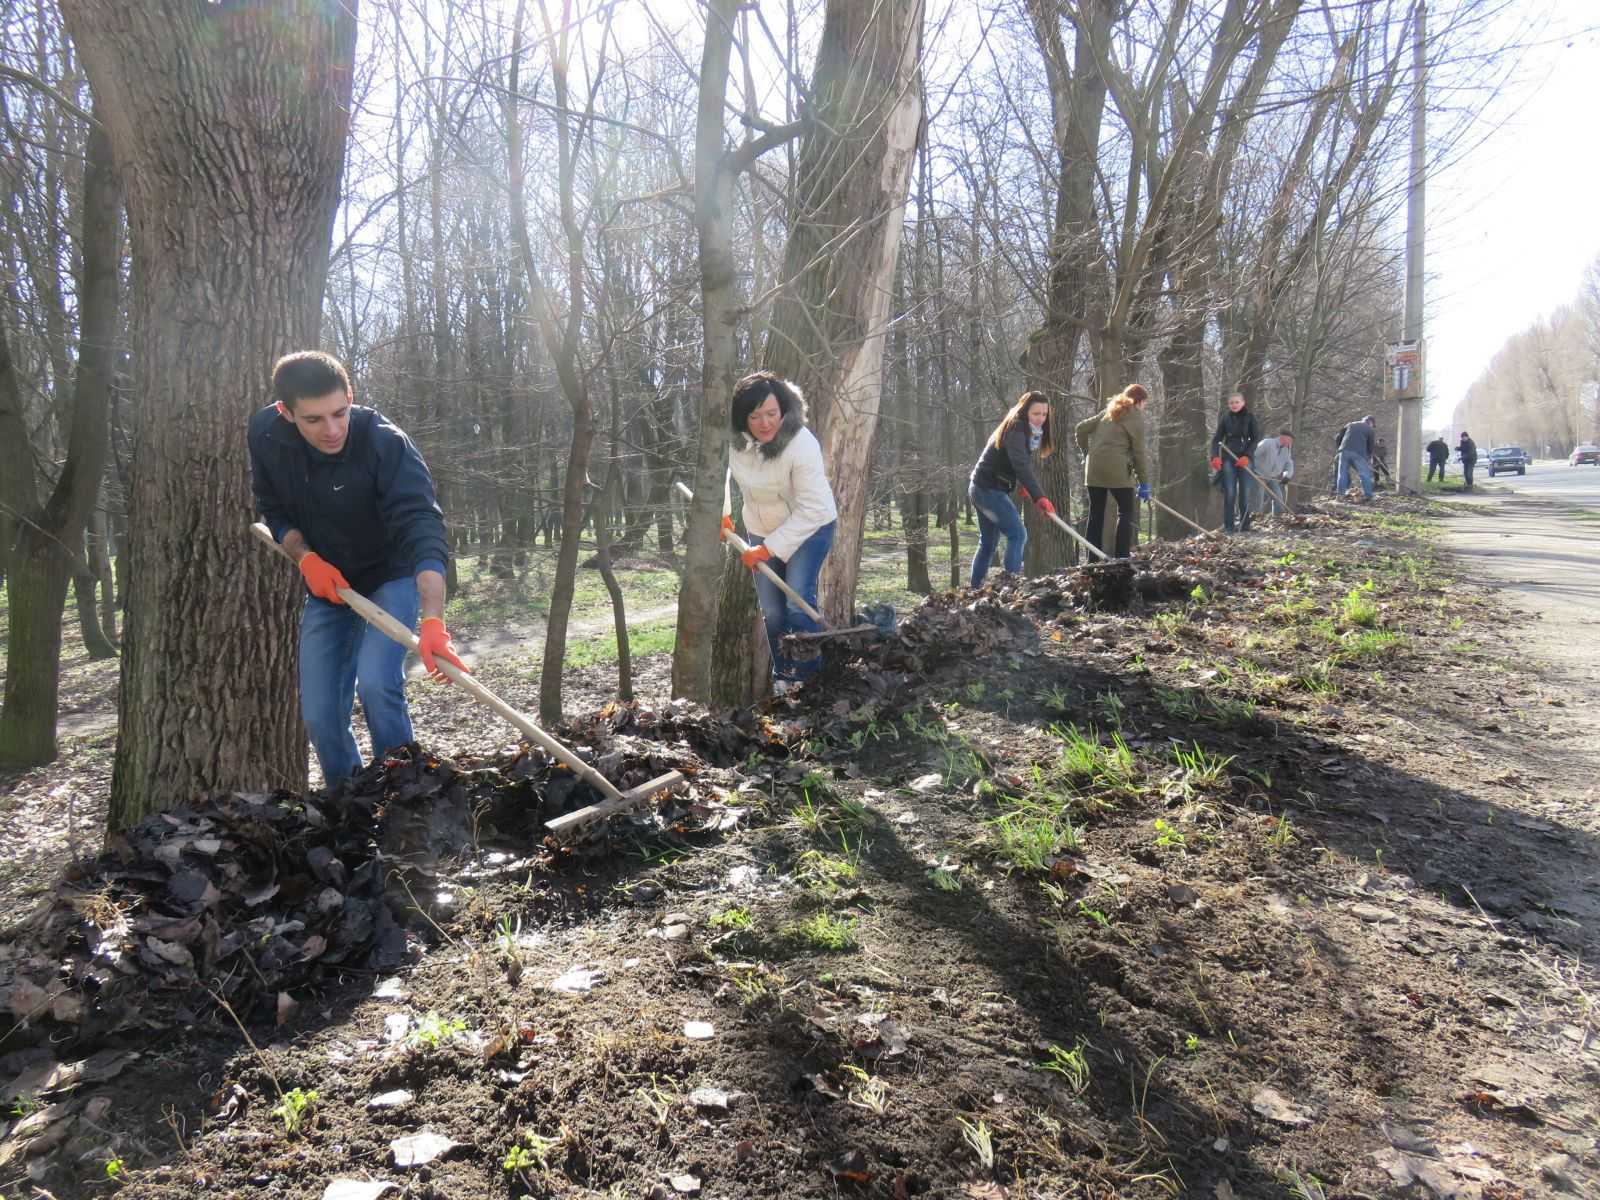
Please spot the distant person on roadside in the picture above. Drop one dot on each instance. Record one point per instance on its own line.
(347, 496)
(1116, 464)
(1005, 465)
(1235, 437)
(789, 510)
(1274, 462)
(1438, 456)
(1468, 450)
(1355, 455)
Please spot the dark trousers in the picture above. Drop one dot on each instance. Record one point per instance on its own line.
(1466, 470)
(1127, 518)
(1436, 464)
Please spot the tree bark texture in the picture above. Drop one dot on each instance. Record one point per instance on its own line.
(43, 550)
(697, 635)
(228, 124)
(851, 178)
(1077, 106)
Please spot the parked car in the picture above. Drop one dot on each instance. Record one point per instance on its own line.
(1585, 454)
(1503, 459)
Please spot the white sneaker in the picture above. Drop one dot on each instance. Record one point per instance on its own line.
(782, 687)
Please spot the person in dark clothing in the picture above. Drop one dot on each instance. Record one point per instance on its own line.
(1468, 450)
(1338, 445)
(1355, 455)
(1438, 456)
(1006, 464)
(346, 494)
(1235, 436)
(1380, 463)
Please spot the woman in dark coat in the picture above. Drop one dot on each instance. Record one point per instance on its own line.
(1006, 464)
(1235, 436)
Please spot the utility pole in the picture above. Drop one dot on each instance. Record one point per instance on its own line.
(1408, 446)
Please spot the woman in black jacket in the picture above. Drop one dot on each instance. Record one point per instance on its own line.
(1235, 436)
(1006, 463)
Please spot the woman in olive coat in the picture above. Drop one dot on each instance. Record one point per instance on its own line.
(1113, 440)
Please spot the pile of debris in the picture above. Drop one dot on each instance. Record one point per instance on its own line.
(252, 900)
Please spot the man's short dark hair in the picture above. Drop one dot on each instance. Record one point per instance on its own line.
(307, 374)
(1286, 433)
(1370, 419)
(751, 392)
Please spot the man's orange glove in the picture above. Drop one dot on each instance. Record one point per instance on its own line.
(754, 555)
(322, 577)
(1044, 506)
(1216, 464)
(433, 643)
(1243, 462)
(727, 527)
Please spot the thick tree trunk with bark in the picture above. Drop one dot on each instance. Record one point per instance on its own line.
(1077, 104)
(228, 124)
(698, 621)
(854, 168)
(43, 549)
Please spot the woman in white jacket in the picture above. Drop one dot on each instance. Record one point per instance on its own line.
(788, 506)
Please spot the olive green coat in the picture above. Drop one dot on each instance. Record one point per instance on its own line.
(1115, 449)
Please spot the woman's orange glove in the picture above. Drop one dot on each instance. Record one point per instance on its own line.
(1044, 506)
(1024, 493)
(433, 643)
(754, 555)
(1243, 462)
(727, 527)
(1216, 464)
(322, 577)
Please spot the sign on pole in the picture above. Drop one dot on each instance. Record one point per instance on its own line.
(1402, 378)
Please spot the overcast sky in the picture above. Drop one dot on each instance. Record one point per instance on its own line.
(1512, 225)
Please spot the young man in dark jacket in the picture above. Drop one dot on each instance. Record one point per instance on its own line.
(348, 496)
(1236, 435)
(1438, 456)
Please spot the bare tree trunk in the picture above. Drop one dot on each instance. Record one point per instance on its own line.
(230, 210)
(42, 546)
(827, 330)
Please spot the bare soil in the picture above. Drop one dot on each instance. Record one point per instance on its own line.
(1320, 934)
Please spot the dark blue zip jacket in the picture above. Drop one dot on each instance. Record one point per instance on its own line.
(369, 509)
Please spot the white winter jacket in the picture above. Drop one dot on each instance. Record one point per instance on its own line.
(786, 495)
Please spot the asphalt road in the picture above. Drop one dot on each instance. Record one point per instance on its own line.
(1545, 480)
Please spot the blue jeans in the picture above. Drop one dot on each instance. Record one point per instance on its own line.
(1273, 501)
(1362, 467)
(997, 515)
(340, 654)
(1238, 493)
(780, 614)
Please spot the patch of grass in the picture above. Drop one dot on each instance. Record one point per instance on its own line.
(824, 932)
(1199, 767)
(1371, 644)
(1168, 837)
(1357, 608)
(1030, 840)
(1072, 1065)
(1181, 704)
(734, 917)
(831, 873)
(1317, 679)
(652, 637)
(434, 1031)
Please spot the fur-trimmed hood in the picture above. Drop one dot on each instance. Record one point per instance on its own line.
(794, 420)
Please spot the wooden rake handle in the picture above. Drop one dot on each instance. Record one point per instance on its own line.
(1172, 512)
(1079, 538)
(387, 625)
(743, 547)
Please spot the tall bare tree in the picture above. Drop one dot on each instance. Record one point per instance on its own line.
(228, 124)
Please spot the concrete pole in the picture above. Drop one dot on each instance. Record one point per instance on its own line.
(1408, 445)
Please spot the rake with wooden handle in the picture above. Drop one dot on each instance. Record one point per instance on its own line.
(1083, 541)
(615, 800)
(743, 547)
(1170, 511)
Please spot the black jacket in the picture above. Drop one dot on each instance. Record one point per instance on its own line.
(1008, 464)
(1236, 433)
(369, 509)
(1439, 450)
(1359, 439)
(1468, 449)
